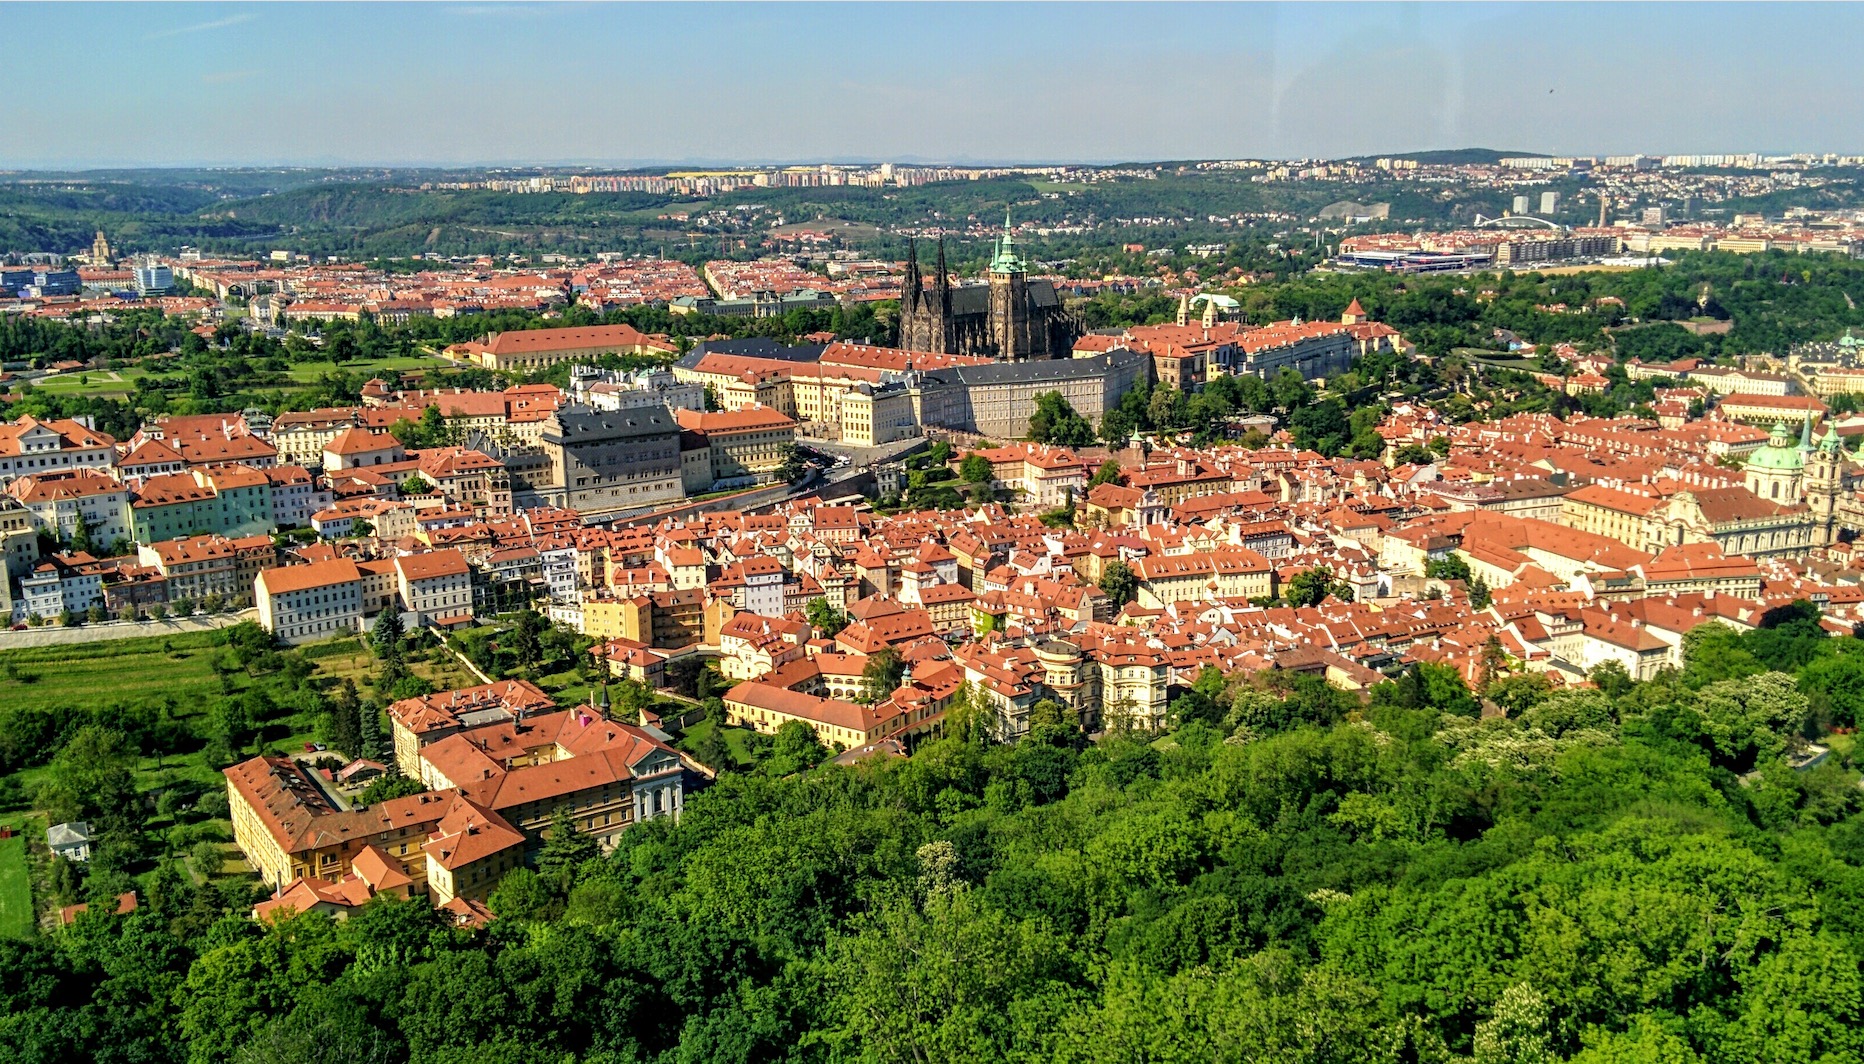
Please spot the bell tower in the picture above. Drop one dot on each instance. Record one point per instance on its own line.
(1009, 300)
(1825, 482)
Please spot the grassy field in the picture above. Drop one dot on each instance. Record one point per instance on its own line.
(131, 670)
(122, 382)
(734, 740)
(15, 883)
(308, 372)
(117, 382)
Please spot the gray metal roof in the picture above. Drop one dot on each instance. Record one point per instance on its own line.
(580, 424)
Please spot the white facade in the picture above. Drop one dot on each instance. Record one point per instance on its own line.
(50, 592)
(299, 610)
(434, 586)
(37, 448)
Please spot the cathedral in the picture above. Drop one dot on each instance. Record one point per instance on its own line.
(1010, 318)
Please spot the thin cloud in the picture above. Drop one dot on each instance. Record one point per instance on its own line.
(199, 27)
(222, 77)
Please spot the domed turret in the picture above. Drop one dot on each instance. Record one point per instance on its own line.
(1774, 470)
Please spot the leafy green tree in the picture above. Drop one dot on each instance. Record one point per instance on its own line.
(525, 638)
(369, 732)
(1054, 421)
(1480, 596)
(797, 748)
(81, 535)
(930, 985)
(346, 718)
(975, 469)
(388, 786)
(1518, 1031)
(881, 675)
(92, 778)
(206, 858)
(825, 618)
(1108, 473)
(1448, 567)
(521, 895)
(1835, 686)
(1430, 686)
(1750, 720)
(793, 467)
(564, 851)
(1310, 587)
(1118, 583)
(387, 635)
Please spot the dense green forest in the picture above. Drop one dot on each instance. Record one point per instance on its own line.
(1616, 876)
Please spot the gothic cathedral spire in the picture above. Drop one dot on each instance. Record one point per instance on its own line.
(909, 285)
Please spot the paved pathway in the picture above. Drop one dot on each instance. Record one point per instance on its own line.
(94, 633)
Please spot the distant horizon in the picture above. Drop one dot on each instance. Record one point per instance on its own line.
(767, 164)
(643, 86)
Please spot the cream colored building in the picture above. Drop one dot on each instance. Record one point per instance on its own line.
(747, 446)
(1230, 574)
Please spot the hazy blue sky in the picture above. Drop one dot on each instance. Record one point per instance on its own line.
(106, 84)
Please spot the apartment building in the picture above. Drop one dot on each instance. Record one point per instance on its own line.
(604, 462)
(839, 724)
(196, 566)
(746, 446)
(288, 828)
(437, 585)
(229, 501)
(299, 603)
(1228, 574)
(30, 445)
(296, 495)
(57, 501)
(300, 436)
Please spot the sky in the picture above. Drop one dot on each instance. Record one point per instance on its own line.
(163, 84)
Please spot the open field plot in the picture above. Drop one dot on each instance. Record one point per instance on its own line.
(310, 372)
(135, 670)
(15, 882)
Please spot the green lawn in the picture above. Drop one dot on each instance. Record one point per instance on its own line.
(15, 883)
(92, 382)
(308, 372)
(139, 670)
(122, 382)
(735, 739)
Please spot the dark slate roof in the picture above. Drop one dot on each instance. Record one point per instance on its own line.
(754, 347)
(580, 424)
(975, 298)
(1037, 371)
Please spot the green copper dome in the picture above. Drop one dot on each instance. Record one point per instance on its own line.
(1779, 453)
